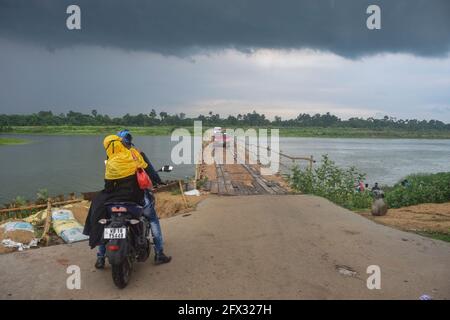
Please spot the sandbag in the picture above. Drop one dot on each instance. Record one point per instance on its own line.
(66, 227)
(17, 225)
(16, 235)
(37, 218)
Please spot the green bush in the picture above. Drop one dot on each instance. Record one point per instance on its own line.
(421, 188)
(331, 182)
(41, 196)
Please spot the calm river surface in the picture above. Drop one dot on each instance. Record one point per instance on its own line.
(385, 161)
(64, 164)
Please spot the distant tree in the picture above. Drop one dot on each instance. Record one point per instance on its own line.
(46, 118)
(163, 115)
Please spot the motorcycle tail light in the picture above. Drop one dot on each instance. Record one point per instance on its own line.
(113, 248)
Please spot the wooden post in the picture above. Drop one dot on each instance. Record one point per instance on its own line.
(197, 168)
(182, 194)
(196, 176)
(48, 221)
(311, 163)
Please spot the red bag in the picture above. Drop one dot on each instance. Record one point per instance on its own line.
(143, 179)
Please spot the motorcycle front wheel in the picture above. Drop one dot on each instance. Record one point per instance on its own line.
(121, 273)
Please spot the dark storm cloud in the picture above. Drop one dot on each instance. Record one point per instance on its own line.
(179, 27)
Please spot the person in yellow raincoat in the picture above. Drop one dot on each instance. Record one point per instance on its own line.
(120, 186)
(121, 161)
(149, 200)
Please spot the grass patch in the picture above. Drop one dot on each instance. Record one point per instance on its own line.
(420, 188)
(338, 132)
(162, 130)
(12, 141)
(435, 235)
(90, 130)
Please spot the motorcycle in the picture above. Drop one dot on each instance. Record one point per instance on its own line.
(127, 236)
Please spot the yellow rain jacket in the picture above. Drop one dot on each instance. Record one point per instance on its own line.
(121, 162)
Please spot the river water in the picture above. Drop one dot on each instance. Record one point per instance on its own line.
(65, 164)
(385, 161)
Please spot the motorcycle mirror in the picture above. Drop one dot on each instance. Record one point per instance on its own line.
(166, 168)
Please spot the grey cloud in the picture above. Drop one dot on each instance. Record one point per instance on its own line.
(183, 27)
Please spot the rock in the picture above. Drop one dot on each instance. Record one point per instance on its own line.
(379, 207)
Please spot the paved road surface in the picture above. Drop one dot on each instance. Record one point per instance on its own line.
(249, 247)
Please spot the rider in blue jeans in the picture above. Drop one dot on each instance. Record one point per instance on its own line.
(149, 213)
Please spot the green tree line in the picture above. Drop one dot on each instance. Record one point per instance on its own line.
(153, 118)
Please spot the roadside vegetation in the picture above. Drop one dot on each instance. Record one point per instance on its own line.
(419, 188)
(162, 123)
(436, 235)
(338, 185)
(333, 183)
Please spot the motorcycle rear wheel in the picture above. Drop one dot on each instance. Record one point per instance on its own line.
(121, 273)
(144, 252)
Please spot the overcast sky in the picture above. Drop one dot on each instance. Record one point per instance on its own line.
(235, 56)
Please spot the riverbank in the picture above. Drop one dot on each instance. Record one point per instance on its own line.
(338, 132)
(167, 204)
(420, 203)
(317, 132)
(428, 219)
(88, 130)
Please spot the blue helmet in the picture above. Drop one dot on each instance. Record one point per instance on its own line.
(126, 137)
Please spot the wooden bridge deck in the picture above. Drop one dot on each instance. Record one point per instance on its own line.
(239, 178)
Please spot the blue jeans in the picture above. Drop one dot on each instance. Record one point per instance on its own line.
(155, 228)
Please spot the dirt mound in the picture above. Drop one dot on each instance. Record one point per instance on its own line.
(422, 217)
(167, 205)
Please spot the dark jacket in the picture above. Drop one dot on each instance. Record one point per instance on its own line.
(120, 190)
(152, 173)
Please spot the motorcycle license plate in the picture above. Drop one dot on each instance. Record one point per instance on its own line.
(115, 233)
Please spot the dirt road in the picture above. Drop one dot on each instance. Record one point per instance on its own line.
(249, 247)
